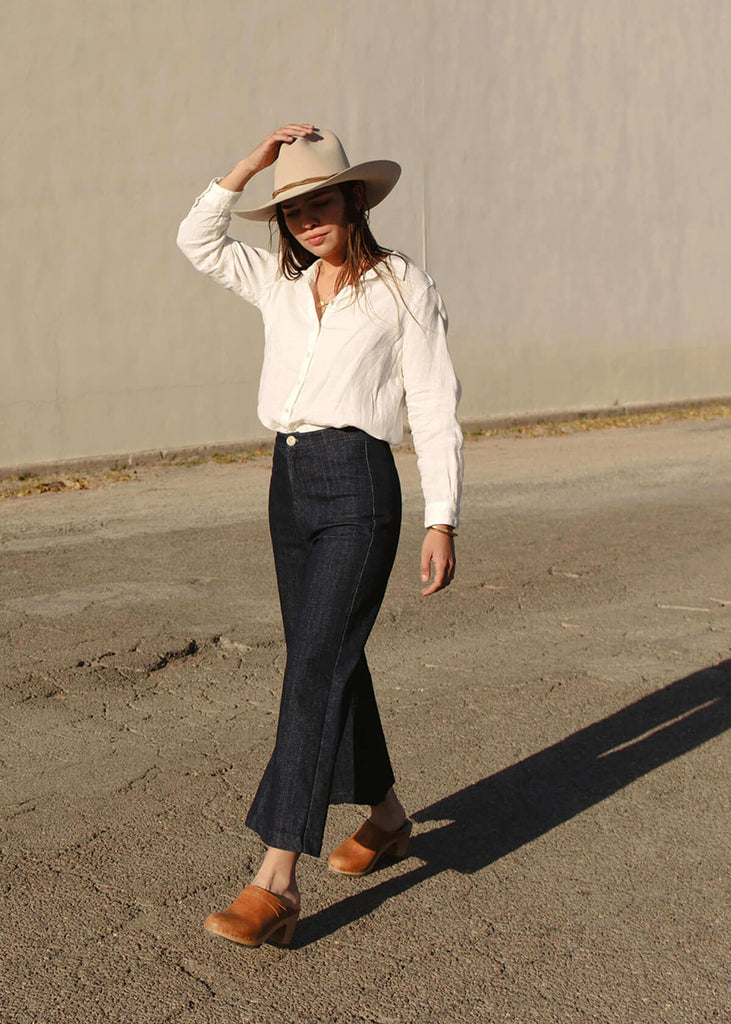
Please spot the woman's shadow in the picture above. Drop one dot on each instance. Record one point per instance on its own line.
(500, 813)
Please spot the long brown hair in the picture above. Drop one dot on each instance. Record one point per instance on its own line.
(362, 251)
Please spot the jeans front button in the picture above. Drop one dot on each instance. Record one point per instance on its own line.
(291, 440)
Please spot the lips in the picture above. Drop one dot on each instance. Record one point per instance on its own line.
(315, 239)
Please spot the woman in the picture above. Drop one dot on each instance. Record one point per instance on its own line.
(351, 332)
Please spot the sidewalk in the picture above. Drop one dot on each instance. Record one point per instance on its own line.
(556, 718)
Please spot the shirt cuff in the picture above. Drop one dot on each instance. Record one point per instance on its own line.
(440, 512)
(217, 198)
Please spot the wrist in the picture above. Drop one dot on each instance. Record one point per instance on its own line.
(246, 169)
(444, 528)
(238, 177)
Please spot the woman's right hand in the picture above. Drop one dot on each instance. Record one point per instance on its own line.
(264, 155)
(268, 150)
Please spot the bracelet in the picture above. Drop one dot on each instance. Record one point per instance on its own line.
(448, 530)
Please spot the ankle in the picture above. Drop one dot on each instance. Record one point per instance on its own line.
(389, 815)
(277, 875)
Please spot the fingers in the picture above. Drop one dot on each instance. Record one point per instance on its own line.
(426, 556)
(437, 554)
(268, 150)
(443, 576)
(290, 132)
(437, 584)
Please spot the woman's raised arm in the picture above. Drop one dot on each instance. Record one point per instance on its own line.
(264, 155)
(202, 236)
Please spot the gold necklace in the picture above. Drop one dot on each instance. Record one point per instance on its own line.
(323, 302)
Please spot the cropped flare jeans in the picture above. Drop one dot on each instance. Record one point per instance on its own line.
(334, 517)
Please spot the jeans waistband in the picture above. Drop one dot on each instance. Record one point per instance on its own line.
(328, 436)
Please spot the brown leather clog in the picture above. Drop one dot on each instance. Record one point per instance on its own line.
(254, 917)
(360, 854)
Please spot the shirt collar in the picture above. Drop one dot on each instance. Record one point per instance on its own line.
(310, 273)
(396, 264)
(397, 267)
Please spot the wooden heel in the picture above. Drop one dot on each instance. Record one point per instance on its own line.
(285, 934)
(401, 845)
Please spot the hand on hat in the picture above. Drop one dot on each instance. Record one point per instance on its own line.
(264, 155)
(267, 151)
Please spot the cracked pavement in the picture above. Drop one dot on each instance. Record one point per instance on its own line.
(557, 719)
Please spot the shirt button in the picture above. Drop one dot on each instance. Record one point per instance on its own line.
(291, 440)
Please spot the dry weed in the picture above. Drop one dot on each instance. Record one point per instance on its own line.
(19, 486)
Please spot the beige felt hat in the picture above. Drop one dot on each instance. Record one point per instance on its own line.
(319, 160)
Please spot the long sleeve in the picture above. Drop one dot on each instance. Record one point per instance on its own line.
(344, 370)
(432, 392)
(244, 269)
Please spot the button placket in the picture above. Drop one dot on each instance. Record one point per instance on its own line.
(302, 375)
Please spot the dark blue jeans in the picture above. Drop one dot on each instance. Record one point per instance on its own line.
(334, 516)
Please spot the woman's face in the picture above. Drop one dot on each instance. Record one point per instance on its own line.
(318, 222)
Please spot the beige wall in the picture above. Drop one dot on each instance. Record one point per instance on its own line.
(565, 180)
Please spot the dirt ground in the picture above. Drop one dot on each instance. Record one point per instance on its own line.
(557, 720)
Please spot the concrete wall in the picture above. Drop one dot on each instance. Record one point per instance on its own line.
(565, 181)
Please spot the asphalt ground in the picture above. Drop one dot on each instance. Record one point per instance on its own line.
(557, 719)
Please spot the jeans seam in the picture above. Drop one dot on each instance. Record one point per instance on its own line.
(347, 622)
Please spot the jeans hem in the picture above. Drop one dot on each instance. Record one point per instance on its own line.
(284, 841)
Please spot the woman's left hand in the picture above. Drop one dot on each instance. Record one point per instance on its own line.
(437, 553)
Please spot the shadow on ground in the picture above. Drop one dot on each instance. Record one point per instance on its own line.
(503, 812)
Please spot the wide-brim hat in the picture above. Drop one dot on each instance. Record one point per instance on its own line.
(317, 161)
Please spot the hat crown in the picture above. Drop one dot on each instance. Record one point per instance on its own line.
(318, 161)
(318, 156)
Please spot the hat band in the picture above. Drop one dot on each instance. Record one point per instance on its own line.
(305, 181)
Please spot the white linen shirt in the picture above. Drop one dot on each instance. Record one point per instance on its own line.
(358, 364)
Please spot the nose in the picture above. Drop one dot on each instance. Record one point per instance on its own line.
(310, 220)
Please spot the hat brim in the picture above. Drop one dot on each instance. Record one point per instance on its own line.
(378, 177)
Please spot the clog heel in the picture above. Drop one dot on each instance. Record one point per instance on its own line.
(255, 916)
(359, 854)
